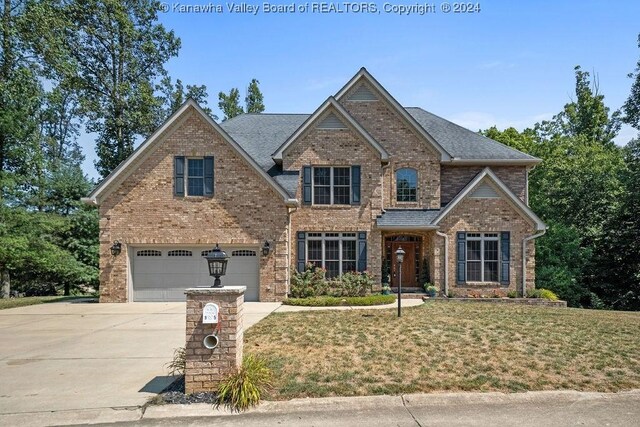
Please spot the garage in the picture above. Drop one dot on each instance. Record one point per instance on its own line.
(163, 273)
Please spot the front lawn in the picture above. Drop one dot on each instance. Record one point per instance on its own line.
(24, 301)
(448, 347)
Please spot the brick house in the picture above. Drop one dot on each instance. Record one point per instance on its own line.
(342, 188)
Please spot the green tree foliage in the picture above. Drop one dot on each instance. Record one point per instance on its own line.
(174, 95)
(576, 190)
(616, 271)
(230, 104)
(111, 52)
(35, 249)
(631, 107)
(254, 100)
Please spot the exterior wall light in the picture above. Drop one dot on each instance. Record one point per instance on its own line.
(266, 248)
(116, 248)
(217, 260)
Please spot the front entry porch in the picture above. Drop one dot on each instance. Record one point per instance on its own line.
(416, 268)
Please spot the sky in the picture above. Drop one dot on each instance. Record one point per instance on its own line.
(506, 63)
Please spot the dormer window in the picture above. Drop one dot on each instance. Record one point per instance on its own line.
(406, 185)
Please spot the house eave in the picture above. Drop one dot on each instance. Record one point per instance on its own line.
(406, 227)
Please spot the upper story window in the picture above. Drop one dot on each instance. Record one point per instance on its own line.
(331, 185)
(193, 176)
(406, 185)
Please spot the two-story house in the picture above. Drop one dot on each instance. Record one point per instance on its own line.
(342, 188)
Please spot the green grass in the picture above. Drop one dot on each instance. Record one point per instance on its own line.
(22, 302)
(326, 301)
(447, 347)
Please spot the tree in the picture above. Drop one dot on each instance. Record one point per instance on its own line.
(230, 104)
(587, 117)
(110, 52)
(631, 107)
(173, 96)
(254, 100)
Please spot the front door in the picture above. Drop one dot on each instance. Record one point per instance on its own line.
(408, 266)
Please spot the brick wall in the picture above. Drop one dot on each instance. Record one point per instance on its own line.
(245, 210)
(339, 147)
(405, 147)
(485, 215)
(455, 178)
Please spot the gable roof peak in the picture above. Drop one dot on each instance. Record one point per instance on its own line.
(331, 102)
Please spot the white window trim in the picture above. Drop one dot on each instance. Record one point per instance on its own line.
(483, 237)
(186, 176)
(331, 186)
(350, 236)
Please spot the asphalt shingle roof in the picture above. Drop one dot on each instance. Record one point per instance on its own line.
(408, 217)
(462, 143)
(260, 135)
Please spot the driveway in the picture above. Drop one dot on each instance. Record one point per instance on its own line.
(68, 356)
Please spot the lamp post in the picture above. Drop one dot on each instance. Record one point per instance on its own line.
(400, 258)
(217, 259)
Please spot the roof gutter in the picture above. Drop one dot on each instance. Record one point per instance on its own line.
(494, 162)
(524, 259)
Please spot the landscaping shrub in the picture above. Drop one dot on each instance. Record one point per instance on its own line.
(313, 282)
(329, 301)
(542, 293)
(308, 283)
(351, 284)
(245, 387)
(512, 294)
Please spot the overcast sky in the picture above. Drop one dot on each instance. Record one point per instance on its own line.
(508, 64)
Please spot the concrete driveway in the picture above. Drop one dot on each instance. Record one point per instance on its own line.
(69, 356)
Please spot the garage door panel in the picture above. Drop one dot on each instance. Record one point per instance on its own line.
(165, 277)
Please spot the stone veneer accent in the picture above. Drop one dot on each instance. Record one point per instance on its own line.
(142, 210)
(206, 368)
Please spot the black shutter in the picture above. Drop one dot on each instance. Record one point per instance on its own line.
(355, 185)
(302, 252)
(461, 256)
(208, 176)
(505, 254)
(362, 251)
(306, 185)
(178, 189)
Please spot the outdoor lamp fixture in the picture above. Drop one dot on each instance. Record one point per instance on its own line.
(116, 248)
(400, 258)
(266, 248)
(217, 259)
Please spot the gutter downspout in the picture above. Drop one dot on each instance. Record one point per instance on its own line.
(446, 261)
(288, 273)
(524, 259)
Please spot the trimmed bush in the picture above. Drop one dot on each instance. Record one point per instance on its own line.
(245, 387)
(542, 293)
(313, 282)
(329, 301)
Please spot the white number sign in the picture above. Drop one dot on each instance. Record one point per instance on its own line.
(210, 313)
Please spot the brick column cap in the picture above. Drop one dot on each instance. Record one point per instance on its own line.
(225, 290)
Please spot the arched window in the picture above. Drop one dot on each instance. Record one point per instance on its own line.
(406, 185)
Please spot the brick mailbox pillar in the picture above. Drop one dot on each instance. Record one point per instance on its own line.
(205, 367)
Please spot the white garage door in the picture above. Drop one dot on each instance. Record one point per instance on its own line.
(163, 273)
